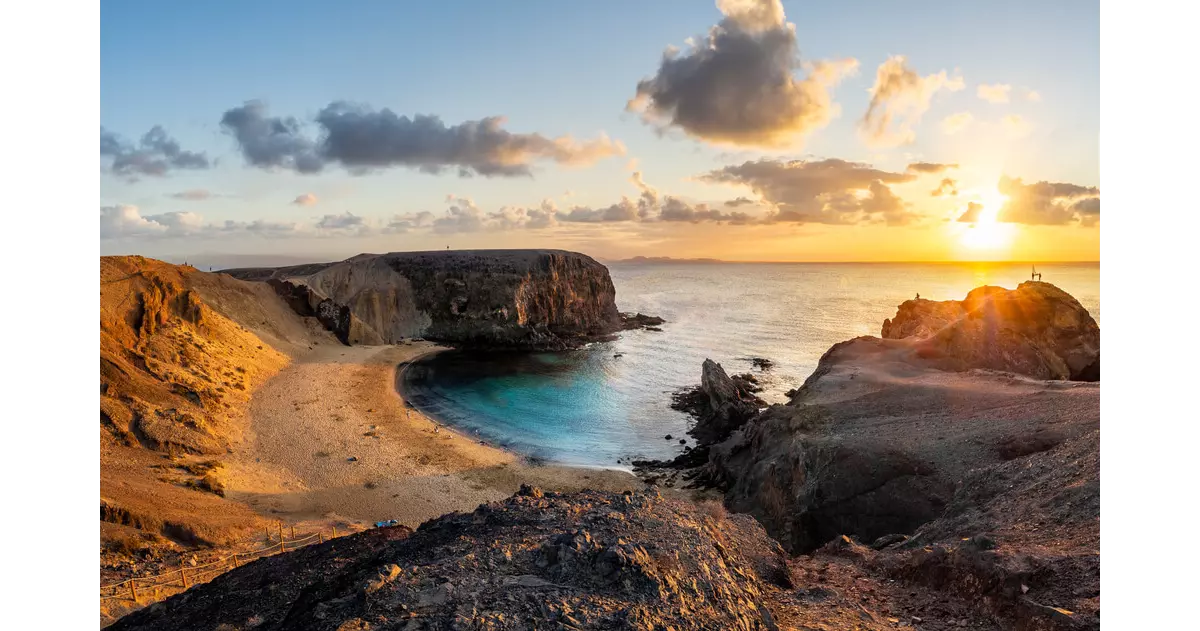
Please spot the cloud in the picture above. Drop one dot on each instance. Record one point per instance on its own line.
(739, 84)
(125, 220)
(362, 140)
(465, 216)
(156, 154)
(955, 123)
(947, 187)
(929, 167)
(1048, 203)
(307, 199)
(624, 210)
(400, 224)
(899, 98)
(345, 222)
(1015, 126)
(828, 191)
(194, 195)
(971, 214)
(740, 201)
(995, 93)
(1032, 96)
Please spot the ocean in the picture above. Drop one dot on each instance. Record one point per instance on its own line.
(607, 404)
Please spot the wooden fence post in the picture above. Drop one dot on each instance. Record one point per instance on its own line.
(133, 589)
(183, 574)
(235, 563)
(335, 532)
(293, 533)
(320, 537)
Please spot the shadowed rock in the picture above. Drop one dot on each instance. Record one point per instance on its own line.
(520, 299)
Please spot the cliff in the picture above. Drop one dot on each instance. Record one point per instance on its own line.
(957, 424)
(529, 299)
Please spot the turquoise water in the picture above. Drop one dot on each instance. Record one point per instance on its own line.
(592, 408)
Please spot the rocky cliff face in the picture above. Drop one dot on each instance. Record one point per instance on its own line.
(1036, 329)
(902, 435)
(532, 299)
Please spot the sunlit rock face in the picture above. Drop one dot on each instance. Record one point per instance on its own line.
(1036, 329)
(526, 299)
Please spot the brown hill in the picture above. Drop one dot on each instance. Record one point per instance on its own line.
(180, 352)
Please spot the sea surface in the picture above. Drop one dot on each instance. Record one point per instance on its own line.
(607, 404)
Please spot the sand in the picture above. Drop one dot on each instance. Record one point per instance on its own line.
(338, 403)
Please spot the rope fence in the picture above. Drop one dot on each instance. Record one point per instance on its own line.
(138, 586)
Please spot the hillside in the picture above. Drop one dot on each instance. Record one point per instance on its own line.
(180, 353)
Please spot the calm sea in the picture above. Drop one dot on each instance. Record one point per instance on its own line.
(609, 402)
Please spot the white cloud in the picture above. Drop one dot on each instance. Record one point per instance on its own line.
(995, 93)
(955, 123)
(307, 199)
(899, 98)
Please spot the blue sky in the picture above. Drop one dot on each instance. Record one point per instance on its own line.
(557, 69)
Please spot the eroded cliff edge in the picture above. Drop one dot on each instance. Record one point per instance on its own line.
(966, 440)
(527, 299)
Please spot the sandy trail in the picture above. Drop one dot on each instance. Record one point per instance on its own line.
(336, 403)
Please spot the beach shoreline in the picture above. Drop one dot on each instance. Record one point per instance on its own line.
(331, 439)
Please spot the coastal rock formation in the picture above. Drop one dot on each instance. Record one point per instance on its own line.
(526, 299)
(720, 404)
(1036, 329)
(913, 443)
(534, 561)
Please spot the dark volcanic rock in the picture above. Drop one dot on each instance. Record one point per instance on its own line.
(1036, 329)
(720, 403)
(641, 321)
(523, 299)
(534, 561)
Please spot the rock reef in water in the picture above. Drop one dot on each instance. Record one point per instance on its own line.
(720, 403)
(1036, 329)
(519, 299)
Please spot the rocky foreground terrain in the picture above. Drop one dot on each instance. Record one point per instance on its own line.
(943, 476)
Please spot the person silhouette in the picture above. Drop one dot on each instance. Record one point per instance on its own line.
(918, 295)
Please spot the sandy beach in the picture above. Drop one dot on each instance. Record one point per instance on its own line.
(330, 441)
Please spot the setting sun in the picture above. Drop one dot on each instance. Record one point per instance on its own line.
(986, 233)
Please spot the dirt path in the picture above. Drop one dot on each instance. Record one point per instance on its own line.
(330, 440)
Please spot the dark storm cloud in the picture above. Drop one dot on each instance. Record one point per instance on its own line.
(738, 85)
(156, 153)
(828, 191)
(362, 139)
(1048, 203)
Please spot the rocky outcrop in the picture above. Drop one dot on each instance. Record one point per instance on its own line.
(534, 561)
(1036, 329)
(528, 299)
(918, 440)
(720, 403)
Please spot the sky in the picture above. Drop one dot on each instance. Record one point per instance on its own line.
(741, 129)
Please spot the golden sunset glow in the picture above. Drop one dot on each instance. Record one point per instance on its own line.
(987, 234)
